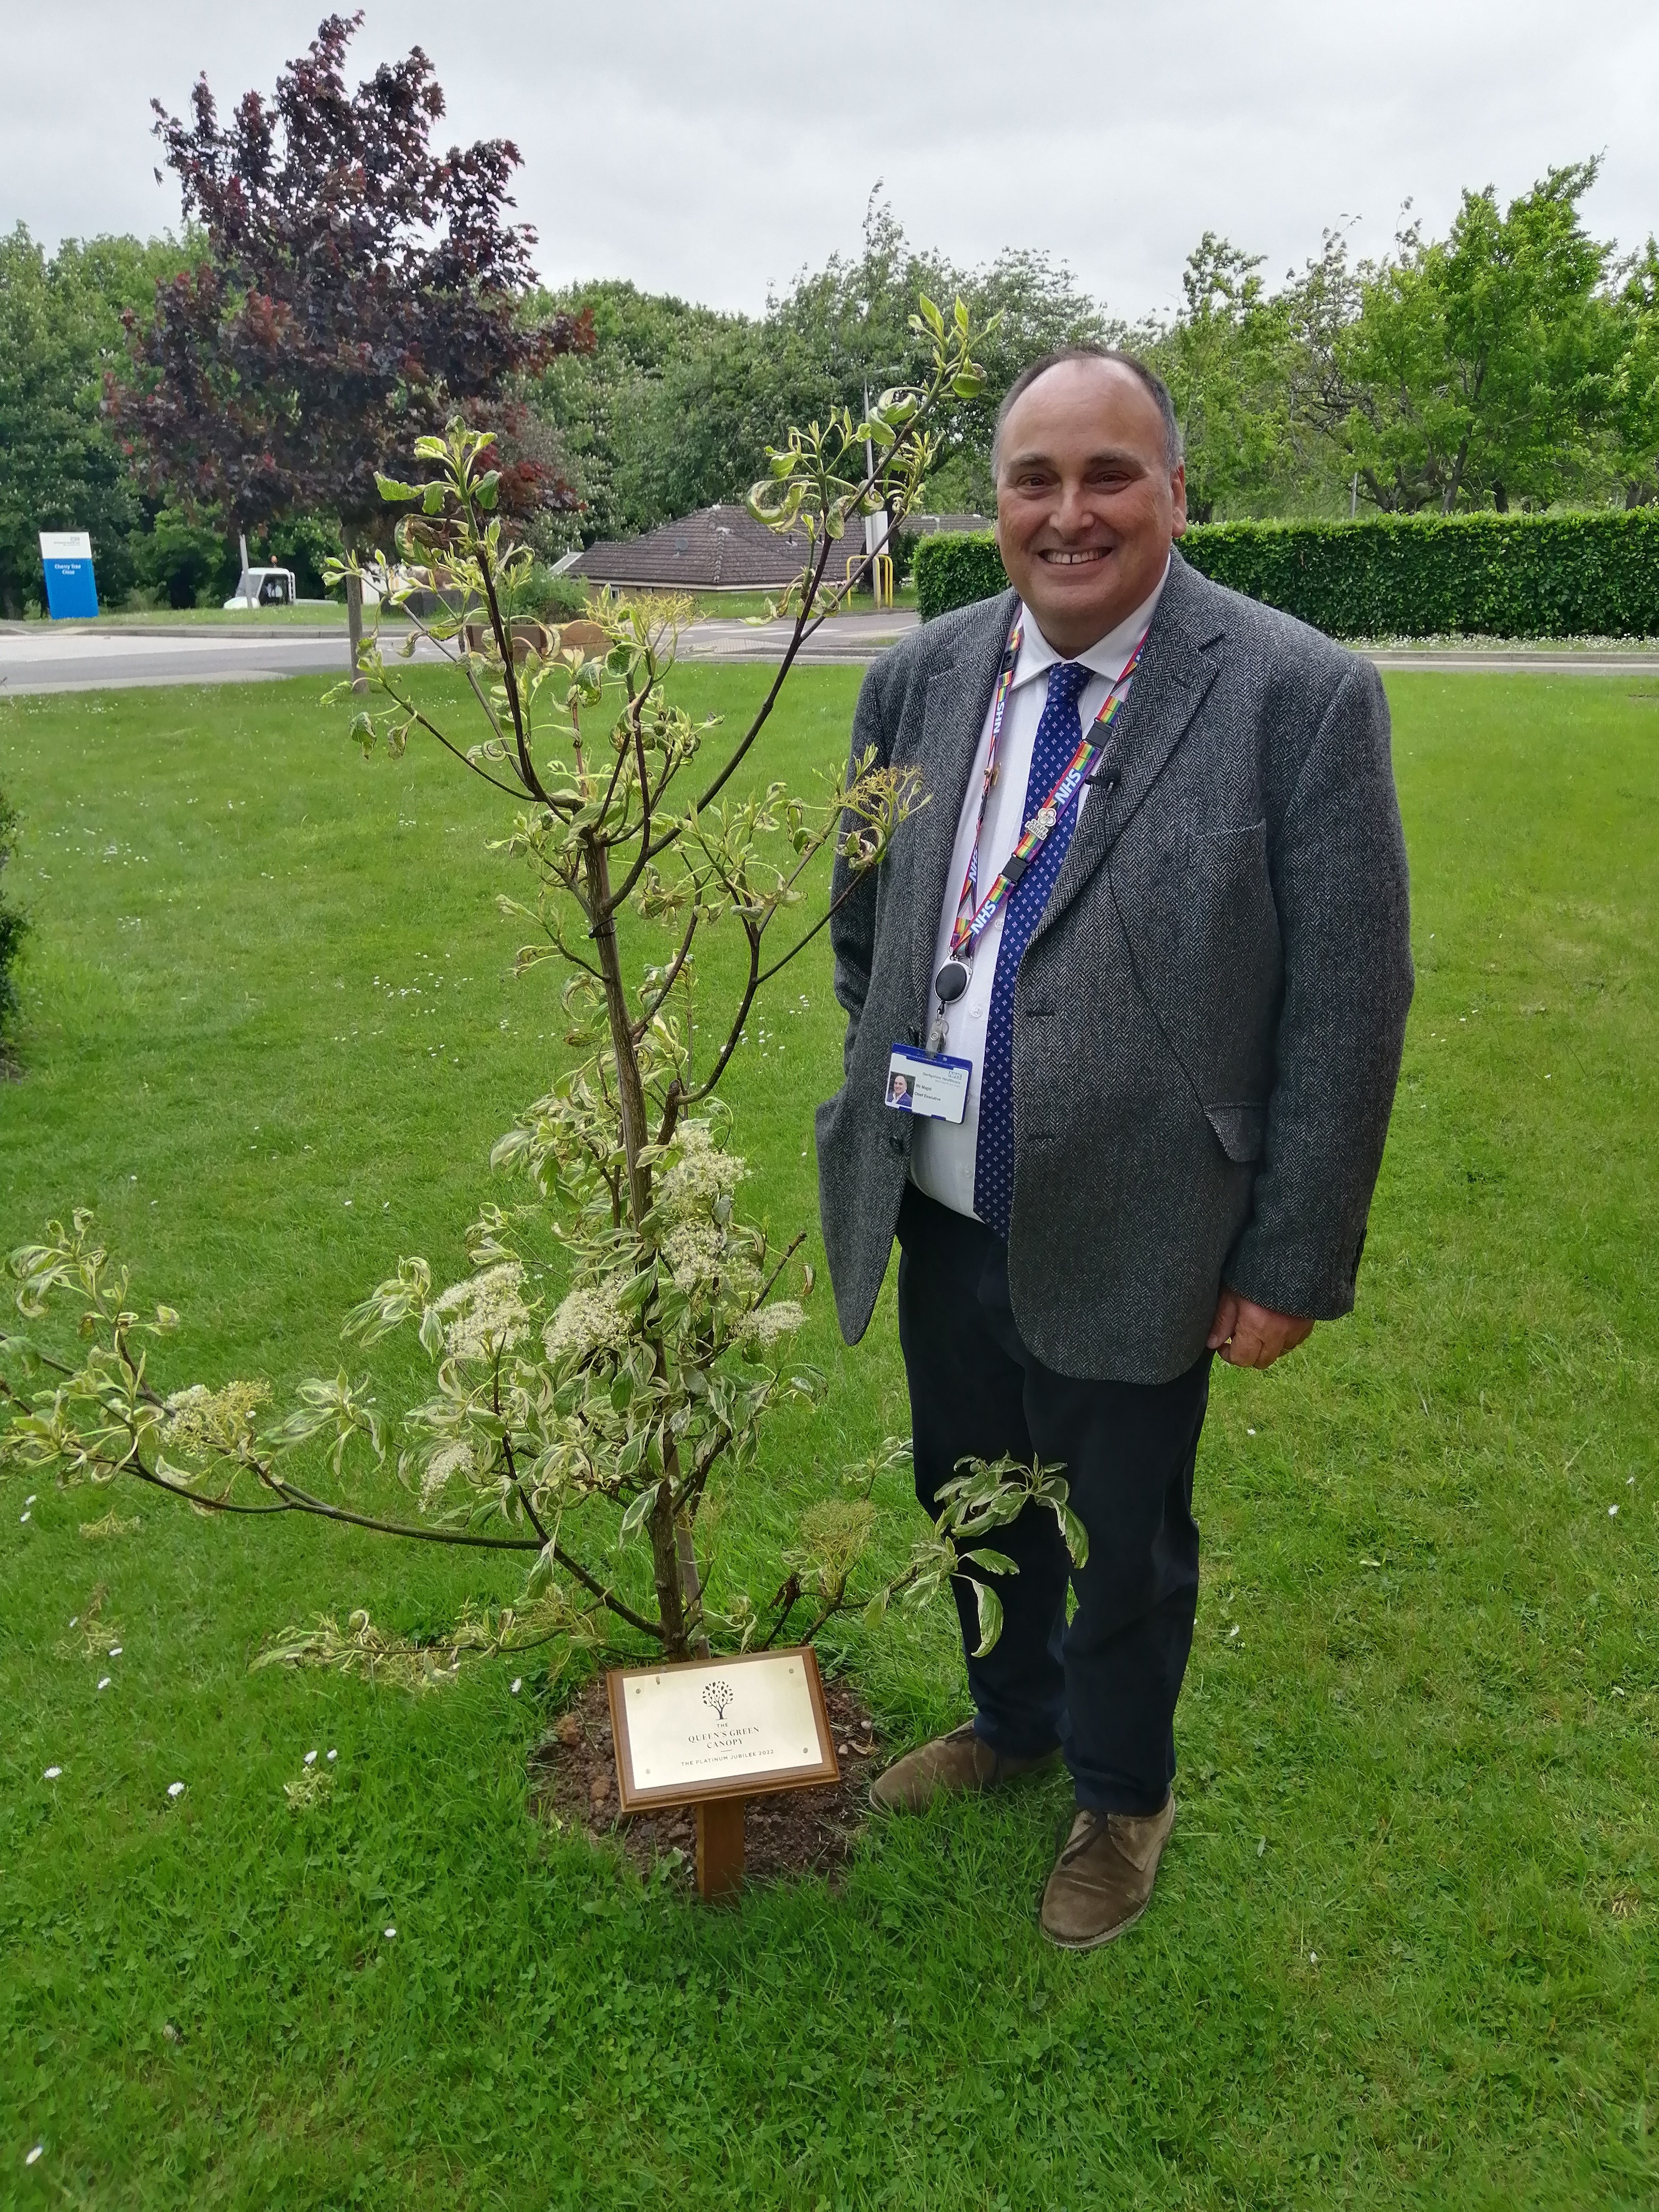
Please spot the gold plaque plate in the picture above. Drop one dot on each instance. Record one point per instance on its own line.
(740, 1727)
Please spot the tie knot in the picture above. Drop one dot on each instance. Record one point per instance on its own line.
(1068, 680)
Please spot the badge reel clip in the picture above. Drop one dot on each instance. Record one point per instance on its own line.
(948, 984)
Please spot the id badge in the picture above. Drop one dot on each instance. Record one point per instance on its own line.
(927, 1083)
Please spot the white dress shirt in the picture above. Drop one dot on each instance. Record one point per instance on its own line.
(943, 1153)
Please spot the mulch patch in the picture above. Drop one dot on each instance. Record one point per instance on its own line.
(573, 1774)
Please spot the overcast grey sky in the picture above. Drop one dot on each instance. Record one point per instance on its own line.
(713, 150)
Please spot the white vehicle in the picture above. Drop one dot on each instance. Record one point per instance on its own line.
(263, 587)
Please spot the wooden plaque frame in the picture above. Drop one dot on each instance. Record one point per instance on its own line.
(634, 1799)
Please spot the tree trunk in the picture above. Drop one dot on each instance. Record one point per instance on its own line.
(630, 1092)
(1500, 498)
(355, 629)
(673, 1557)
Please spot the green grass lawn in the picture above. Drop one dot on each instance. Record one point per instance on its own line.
(1403, 1946)
(307, 614)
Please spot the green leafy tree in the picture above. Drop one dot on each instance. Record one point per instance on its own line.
(1225, 360)
(601, 407)
(674, 407)
(851, 317)
(1633, 406)
(583, 1426)
(61, 466)
(1479, 369)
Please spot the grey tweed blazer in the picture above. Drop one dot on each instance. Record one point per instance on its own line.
(1208, 1019)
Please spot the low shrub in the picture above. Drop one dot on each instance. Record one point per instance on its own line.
(548, 598)
(1497, 575)
(14, 927)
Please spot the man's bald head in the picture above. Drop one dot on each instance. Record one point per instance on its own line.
(1155, 389)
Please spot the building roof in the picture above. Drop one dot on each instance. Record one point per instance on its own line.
(719, 549)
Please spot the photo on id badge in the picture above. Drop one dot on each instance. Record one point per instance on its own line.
(927, 1083)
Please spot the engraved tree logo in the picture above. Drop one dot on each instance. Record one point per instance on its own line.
(718, 1695)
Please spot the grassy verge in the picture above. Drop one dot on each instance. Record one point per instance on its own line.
(731, 605)
(1402, 1951)
(306, 615)
(735, 605)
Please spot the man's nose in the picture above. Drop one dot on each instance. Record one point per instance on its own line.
(1074, 511)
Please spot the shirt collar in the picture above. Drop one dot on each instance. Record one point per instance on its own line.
(1105, 657)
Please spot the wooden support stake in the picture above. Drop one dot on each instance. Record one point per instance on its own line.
(720, 1847)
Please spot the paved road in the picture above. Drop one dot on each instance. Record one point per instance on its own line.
(843, 638)
(1539, 661)
(37, 658)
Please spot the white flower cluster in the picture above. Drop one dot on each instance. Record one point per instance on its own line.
(700, 1178)
(485, 1314)
(694, 1204)
(772, 1322)
(200, 1419)
(588, 1321)
(449, 1459)
(700, 1252)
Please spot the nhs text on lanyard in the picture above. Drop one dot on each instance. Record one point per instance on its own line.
(941, 1081)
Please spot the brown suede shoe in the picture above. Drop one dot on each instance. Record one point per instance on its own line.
(949, 1766)
(1102, 1879)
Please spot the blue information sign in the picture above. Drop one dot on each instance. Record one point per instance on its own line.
(66, 556)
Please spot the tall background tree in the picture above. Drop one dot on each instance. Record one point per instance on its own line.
(672, 409)
(1227, 360)
(61, 466)
(355, 289)
(1479, 370)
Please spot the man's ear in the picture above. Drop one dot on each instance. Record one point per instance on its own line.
(1178, 499)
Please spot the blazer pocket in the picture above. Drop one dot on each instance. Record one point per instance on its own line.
(1240, 1128)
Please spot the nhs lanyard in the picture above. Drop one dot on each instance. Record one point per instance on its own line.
(973, 919)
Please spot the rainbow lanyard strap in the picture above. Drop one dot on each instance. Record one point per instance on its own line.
(971, 925)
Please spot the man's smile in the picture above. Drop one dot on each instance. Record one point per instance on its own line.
(1058, 557)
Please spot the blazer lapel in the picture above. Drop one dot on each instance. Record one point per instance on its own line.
(958, 700)
(1167, 690)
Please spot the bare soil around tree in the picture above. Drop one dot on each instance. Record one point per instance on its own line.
(573, 1773)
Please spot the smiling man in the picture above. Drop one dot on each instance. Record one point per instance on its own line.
(1144, 958)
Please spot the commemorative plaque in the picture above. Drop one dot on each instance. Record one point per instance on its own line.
(710, 1733)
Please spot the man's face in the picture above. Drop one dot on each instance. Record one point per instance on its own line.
(1087, 502)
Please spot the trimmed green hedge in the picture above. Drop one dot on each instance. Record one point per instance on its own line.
(1500, 576)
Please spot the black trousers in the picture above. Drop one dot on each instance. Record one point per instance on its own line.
(1103, 1686)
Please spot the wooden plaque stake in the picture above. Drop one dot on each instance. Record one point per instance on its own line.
(713, 1733)
(720, 1847)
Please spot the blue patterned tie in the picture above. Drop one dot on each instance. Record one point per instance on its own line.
(1059, 734)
